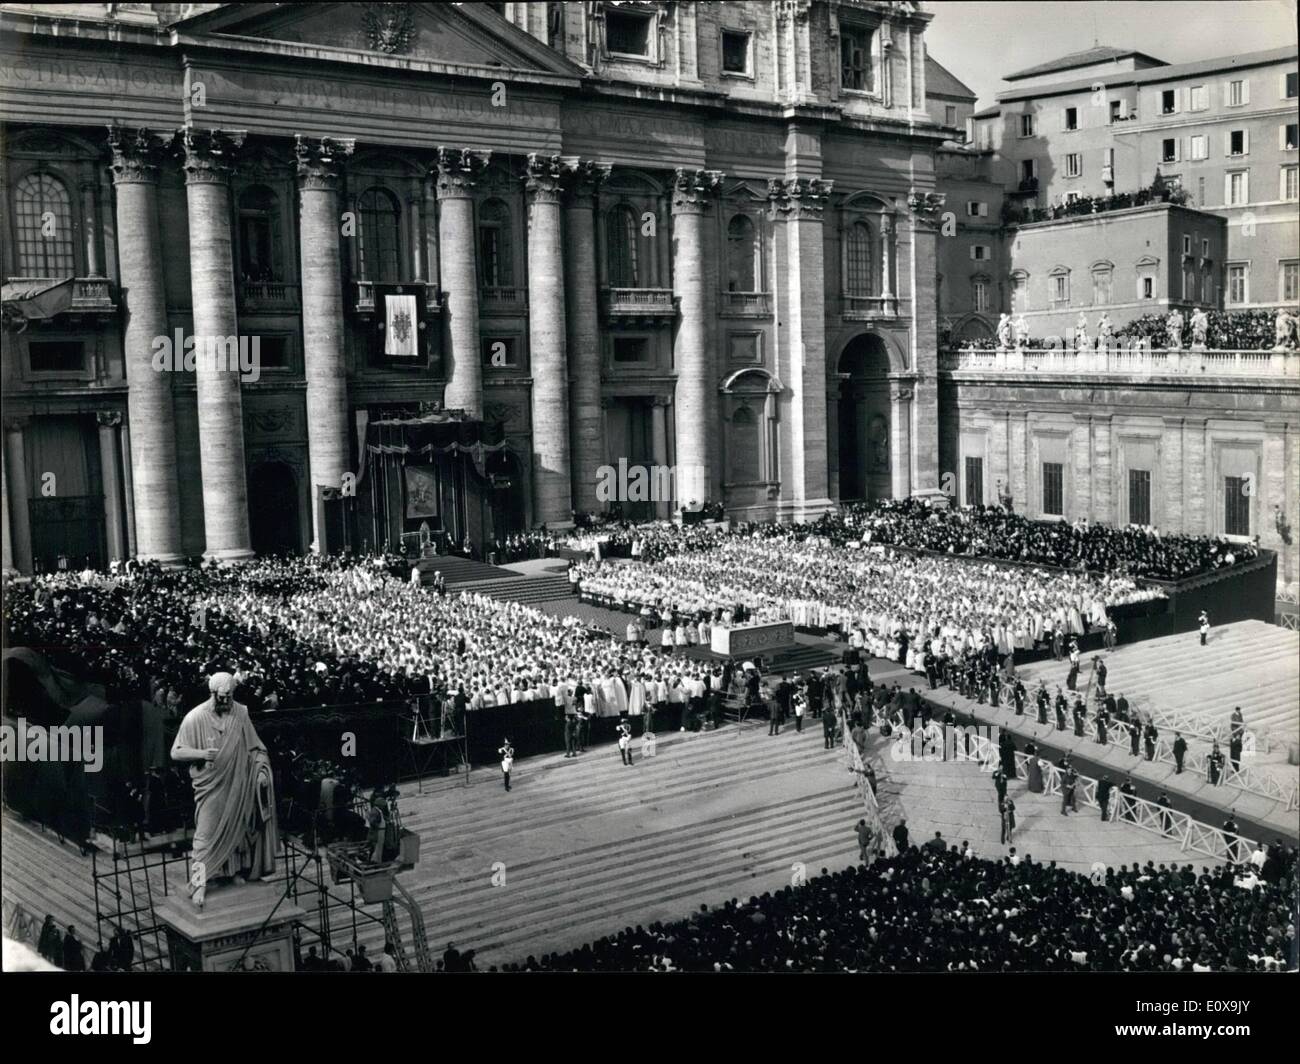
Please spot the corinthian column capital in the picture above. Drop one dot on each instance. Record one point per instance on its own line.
(693, 190)
(458, 170)
(320, 160)
(799, 197)
(582, 181)
(543, 175)
(210, 154)
(137, 154)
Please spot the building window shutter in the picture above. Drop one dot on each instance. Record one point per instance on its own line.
(1227, 188)
(1227, 143)
(1245, 90)
(1245, 142)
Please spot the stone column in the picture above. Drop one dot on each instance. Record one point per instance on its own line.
(208, 161)
(128, 488)
(900, 449)
(586, 423)
(1104, 503)
(692, 195)
(887, 257)
(1170, 485)
(7, 560)
(925, 213)
(1197, 519)
(319, 170)
(552, 484)
(1081, 459)
(800, 202)
(659, 443)
(90, 225)
(149, 404)
(109, 420)
(19, 523)
(458, 171)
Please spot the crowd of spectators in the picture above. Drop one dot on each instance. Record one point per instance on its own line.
(934, 908)
(992, 532)
(1158, 192)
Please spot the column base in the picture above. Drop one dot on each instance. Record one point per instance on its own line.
(229, 554)
(803, 510)
(167, 561)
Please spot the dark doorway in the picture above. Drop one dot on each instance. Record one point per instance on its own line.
(509, 515)
(629, 427)
(863, 417)
(273, 509)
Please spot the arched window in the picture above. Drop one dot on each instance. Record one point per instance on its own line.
(377, 236)
(621, 238)
(744, 262)
(46, 247)
(260, 253)
(858, 260)
(494, 251)
(744, 448)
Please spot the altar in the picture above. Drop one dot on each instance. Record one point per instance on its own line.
(759, 638)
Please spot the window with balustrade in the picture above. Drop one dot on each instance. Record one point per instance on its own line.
(378, 241)
(857, 260)
(261, 254)
(744, 255)
(495, 258)
(44, 227)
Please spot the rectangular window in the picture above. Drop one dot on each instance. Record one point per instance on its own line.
(1199, 98)
(1026, 125)
(1101, 287)
(1290, 138)
(974, 481)
(1291, 80)
(1205, 247)
(1054, 489)
(1061, 288)
(1237, 142)
(976, 209)
(1187, 244)
(628, 33)
(1238, 188)
(1073, 164)
(1289, 282)
(1199, 147)
(1139, 496)
(1238, 284)
(1169, 101)
(1288, 186)
(1236, 507)
(979, 252)
(273, 352)
(1071, 118)
(1148, 288)
(980, 296)
(631, 350)
(1169, 150)
(1027, 168)
(950, 115)
(57, 356)
(1116, 110)
(1236, 93)
(855, 58)
(735, 52)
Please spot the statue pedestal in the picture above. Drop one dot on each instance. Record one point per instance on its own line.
(231, 921)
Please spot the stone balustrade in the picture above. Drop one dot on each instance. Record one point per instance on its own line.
(1125, 361)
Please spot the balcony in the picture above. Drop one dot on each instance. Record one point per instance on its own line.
(1124, 361)
(268, 296)
(638, 304)
(746, 305)
(44, 298)
(364, 301)
(868, 308)
(502, 299)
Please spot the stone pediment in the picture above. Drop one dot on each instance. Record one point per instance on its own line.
(468, 39)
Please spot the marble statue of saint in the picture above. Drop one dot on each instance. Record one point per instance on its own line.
(1004, 331)
(1283, 325)
(1174, 330)
(1081, 333)
(235, 831)
(1200, 326)
(1105, 334)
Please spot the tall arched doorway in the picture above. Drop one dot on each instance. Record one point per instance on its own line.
(863, 416)
(273, 514)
